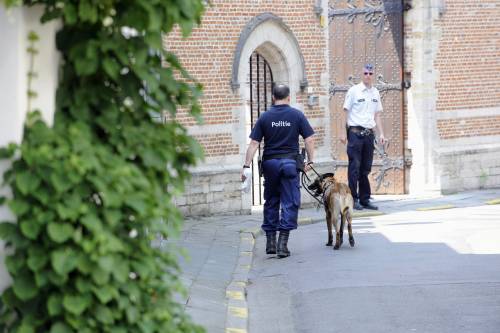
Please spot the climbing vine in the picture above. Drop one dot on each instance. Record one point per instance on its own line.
(91, 192)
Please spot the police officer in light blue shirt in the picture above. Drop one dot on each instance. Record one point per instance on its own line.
(280, 127)
(363, 108)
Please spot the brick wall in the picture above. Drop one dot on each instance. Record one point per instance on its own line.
(469, 127)
(208, 54)
(217, 144)
(468, 62)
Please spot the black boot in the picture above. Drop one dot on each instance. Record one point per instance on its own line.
(271, 242)
(357, 205)
(282, 244)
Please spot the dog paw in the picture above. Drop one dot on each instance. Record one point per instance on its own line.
(329, 244)
(351, 242)
(336, 247)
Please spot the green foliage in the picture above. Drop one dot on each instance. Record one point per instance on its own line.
(91, 192)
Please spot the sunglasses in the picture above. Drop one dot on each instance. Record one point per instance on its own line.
(368, 73)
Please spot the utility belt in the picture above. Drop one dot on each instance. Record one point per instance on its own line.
(299, 159)
(361, 130)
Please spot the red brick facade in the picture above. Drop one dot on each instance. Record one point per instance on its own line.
(209, 52)
(468, 62)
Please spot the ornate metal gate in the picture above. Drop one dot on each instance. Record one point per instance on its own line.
(261, 83)
(370, 31)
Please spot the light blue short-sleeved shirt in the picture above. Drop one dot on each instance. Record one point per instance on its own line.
(362, 104)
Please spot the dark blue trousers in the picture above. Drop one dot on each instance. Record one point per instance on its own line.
(360, 153)
(281, 189)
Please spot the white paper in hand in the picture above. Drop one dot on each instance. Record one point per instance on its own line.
(247, 184)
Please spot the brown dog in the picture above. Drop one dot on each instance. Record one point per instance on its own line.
(337, 200)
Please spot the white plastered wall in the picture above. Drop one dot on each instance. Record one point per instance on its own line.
(15, 25)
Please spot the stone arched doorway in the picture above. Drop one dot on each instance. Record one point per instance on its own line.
(270, 42)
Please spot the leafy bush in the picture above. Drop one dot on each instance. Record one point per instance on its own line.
(91, 192)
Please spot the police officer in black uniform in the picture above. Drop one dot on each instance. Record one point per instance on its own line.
(280, 127)
(363, 108)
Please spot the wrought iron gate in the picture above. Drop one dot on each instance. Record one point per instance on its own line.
(370, 31)
(261, 83)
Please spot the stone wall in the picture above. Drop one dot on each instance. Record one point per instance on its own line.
(213, 192)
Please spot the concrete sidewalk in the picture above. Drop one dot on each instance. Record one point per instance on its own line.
(221, 251)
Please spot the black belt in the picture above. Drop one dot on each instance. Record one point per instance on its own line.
(291, 156)
(361, 130)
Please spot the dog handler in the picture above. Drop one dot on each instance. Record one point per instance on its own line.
(280, 127)
(363, 107)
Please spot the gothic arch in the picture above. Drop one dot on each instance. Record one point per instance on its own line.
(271, 37)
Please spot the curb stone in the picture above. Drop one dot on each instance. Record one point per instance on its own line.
(237, 306)
(493, 202)
(424, 209)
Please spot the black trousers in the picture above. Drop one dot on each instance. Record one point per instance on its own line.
(360, 153)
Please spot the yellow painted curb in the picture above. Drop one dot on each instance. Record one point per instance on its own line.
(493, 202)
(235, 330)
(235, 295)
(240, 283)
(435, 207)
(238, 311)
(367, 214)
(246, 253)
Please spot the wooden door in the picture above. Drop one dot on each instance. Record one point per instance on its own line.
(369, 31)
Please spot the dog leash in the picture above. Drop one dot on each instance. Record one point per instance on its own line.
(305, 186)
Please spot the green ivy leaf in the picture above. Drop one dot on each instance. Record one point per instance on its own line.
(26, 328)
(70, 14)
(24, 286)
(54, 304)
(41, 279)
(121, 270)
(105, 293)
(83, 285)
(60, 328)
(18, 207)
(104, 315)
(8, 231)
(76, 304)
(106, 263)
(8, 152)
(84, 264)
(100, 276)
(27, 182)
(60, 232)
(60, 182)
(57, 279)
(132, 314)
(92, 223)
(87, 11)
(111, 67)
(30, 228)
(63, 261)
(15, 263)
(37, 258)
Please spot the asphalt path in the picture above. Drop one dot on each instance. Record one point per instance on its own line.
(412, 271)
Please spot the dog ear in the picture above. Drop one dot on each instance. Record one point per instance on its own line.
(327, 175)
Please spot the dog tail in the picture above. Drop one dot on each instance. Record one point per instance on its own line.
(346, 211)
